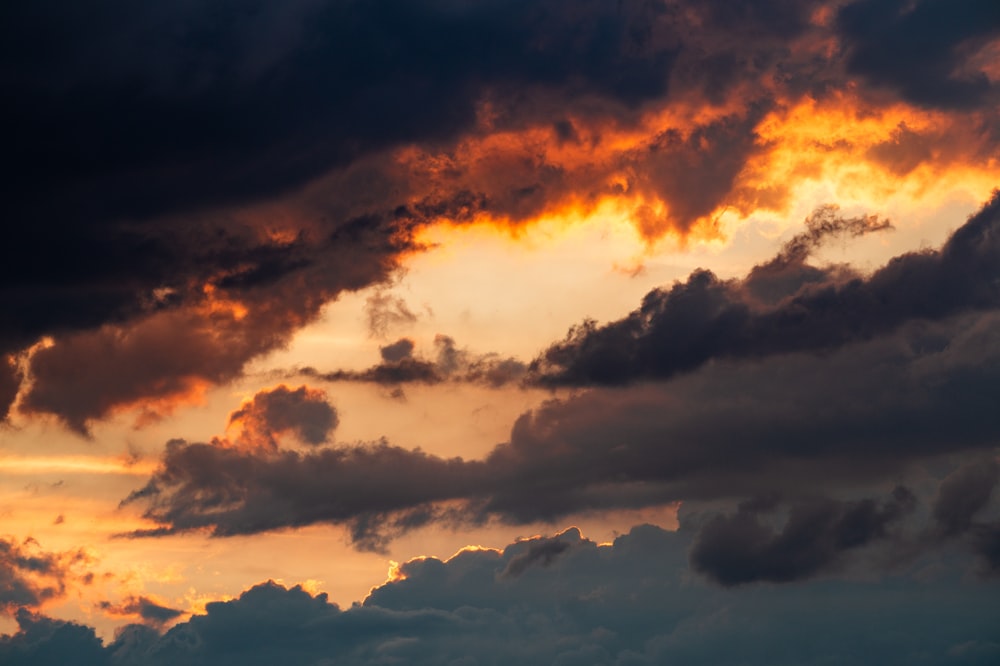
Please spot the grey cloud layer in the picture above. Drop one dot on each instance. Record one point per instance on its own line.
(631, 602)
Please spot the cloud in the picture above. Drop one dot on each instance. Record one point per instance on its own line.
(29, 576)
(921, 50)
(130, 162)
(397, 351)
(303, 412)
(738, 549)
(169, 354)
(10, 383)
(385, 311)
(541, 553)
(451, 364)
(376, 489)
(799, 425)
(148, 610)
(964, 509)
(843, 383)
(632, 601)
(41, 640)
(782, 306)
(964, 493)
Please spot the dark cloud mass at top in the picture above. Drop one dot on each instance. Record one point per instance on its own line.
(161, 158)
(919, 49)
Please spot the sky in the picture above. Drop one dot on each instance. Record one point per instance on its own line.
(490, 332)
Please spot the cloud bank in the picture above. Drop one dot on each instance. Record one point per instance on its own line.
(561, 600)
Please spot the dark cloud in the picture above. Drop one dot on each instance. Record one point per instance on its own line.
(302, 412)
(166, 355)
(43, 640)
(397, 351)
(280, 153)
(695, 172)
(10, 383)
(739, 549)
(921, 49)
(126, 117)
(149, 611)
(30, 576)
(400, 366)
(542, 553)
(374, 489)
(804, 309)
(964, 510)
(632, 601)
(799, 424)
(964, 493)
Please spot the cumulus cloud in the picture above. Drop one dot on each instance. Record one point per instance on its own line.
(632, 601)
(10, 383)
(303, 412)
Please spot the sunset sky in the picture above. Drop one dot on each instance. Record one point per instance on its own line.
(500, 332)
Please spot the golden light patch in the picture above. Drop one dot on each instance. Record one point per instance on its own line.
(216, 305)
(74, 465)
(602, 171)
(184, 392)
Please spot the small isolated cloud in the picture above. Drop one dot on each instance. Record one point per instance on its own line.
(303, 413)
(397, 351)
(144, 608)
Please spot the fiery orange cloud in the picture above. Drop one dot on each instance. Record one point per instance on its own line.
(659, 172)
